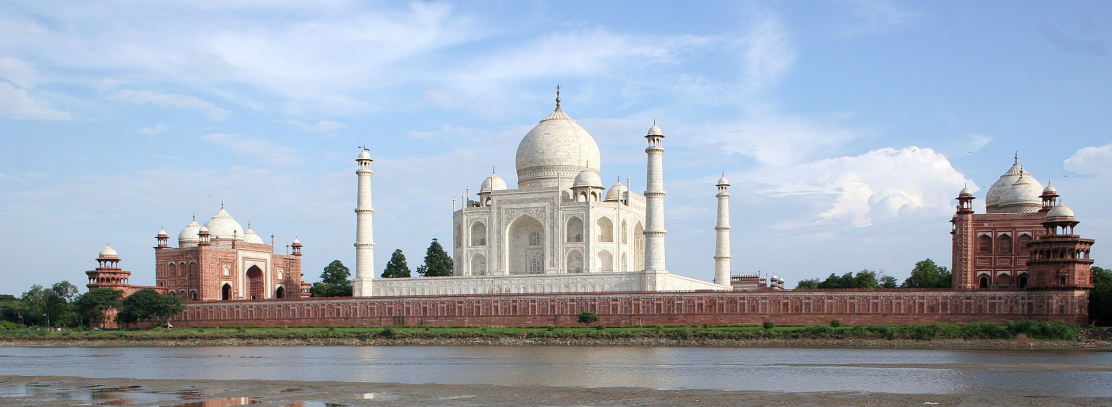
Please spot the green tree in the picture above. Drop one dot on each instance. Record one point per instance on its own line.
(149, 305)
(808, 284)
(50, 306)
(334, 281)
(437, 262)
(888, 282)
(1100, 298)
(926, 274)
(865, 279)
(92, 305)
(396, 267)
(587, 318)
(12, 308)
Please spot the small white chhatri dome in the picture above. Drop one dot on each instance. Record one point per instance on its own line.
(965, 192)
(223, 226)
(616, 192)
(723, 182)
(296, 241)
(1049, 190)
(189, 234)
(364, 155)
(493, 183)
(1060, 211)
(557, 147)
(107, 253)
(587, 178)
(655, 130)
(1015, 192)
(250, 237)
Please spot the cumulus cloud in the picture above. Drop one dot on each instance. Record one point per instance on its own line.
(323, 126)
(259, 150)
(175, 100)
(18, 104)
(1091, 160)
(861, 190)
(158, 128)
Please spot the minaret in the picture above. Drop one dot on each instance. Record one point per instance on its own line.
(722, 231)
(963, 238)
(654, 207)
(364, 234)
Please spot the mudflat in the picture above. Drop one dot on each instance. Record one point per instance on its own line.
(77, 391)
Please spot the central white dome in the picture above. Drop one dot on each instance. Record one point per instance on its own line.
(556, 148)
(1015, 192)
(223, 226)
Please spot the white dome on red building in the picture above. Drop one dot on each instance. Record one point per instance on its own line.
(1015, 192)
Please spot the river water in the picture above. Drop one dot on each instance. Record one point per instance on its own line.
(990, 372)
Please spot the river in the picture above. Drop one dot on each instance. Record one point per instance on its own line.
(933, 371)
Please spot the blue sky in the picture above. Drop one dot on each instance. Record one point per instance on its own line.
(845, 127)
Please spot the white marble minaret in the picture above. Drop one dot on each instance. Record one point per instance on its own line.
(722, 231)
(654, 205)
(364, 230)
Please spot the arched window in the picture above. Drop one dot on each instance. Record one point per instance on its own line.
(478, 234)
(605, 261)
(535, 265)
(605, 230)
(1004, 244)
(523, 245)
(984, 244)
(574, 230)
(226, 292)
(1022, 281)
(193, 295)
(1024, 242)
(984, 281)
(638, 247)
(478, 265)
(575, 262)
(624, 239)
(280, 292)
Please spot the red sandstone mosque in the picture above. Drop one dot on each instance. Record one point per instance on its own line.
(218, 261)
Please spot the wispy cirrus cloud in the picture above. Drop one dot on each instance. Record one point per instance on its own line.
(156, 129)
(255, 149)
(1091, 160)
(175, 100)
(323, 126)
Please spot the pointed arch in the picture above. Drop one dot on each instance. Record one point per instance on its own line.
(478, 234)
(574, 230)
(525, 243)
(639, 247)
(478, 265)
(605, 261)
(605, 229)
(984, 244)
(1004, 243)
(574, 262)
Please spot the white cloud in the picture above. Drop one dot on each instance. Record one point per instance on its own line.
(1091, 160)
(869, 17)
(878, 186)
(156, 129)
(174, 100)
(323, 126)
(977, 142)
(770, 52)
(259, 150)
(18, 104)
(19, 72)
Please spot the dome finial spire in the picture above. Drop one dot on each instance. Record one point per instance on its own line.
(221, 204)
(557, 96)
(1017, 157)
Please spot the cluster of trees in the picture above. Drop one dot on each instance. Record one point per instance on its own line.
(61, 305)
(437, 263)
(926, 274)
(336, 278)
(1100, 299)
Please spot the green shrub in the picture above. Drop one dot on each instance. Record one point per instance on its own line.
(387, 332)
(835, 323)
(768, 325)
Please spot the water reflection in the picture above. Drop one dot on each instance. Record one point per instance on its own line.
(1018, 372)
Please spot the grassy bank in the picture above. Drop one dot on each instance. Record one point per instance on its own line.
(834, 331)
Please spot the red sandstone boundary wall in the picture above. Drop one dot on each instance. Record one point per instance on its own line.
(651, 308)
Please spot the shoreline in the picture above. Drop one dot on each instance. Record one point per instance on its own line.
(61, 391)
(988, 344)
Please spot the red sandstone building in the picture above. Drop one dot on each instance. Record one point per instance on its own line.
(215, 262)
(1024, 241)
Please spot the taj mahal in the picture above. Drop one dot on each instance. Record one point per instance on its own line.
(560, 231)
